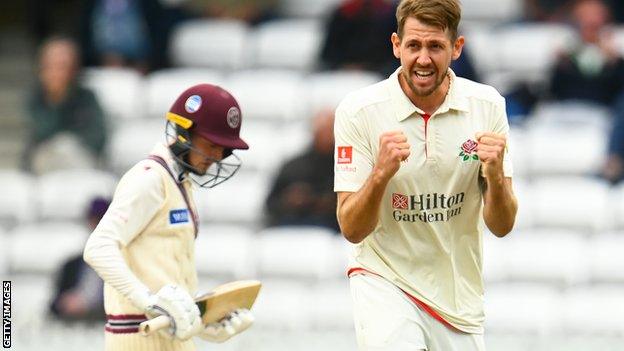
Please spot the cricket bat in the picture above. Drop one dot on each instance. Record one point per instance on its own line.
(213, 305)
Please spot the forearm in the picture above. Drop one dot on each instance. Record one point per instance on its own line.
(500, 206)
(358, 214)
(102, 253)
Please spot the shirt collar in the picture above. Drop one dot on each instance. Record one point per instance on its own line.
(404, 108)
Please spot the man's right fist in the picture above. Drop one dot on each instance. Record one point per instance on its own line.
(393, 149)
(176, 303)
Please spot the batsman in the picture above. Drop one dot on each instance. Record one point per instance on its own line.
(143, 248)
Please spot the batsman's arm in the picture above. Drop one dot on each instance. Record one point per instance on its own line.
(137, 199)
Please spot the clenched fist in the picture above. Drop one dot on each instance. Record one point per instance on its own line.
(393, 149)
(491, 150)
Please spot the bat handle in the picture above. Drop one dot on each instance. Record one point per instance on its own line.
(152, 325)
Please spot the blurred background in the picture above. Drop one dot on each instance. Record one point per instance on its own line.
(85, 85)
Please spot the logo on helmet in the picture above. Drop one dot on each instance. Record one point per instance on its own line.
(233, 117)
(193, 103)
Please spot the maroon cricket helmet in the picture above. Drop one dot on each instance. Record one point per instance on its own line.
(210, 112)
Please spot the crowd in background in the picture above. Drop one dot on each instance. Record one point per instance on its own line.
(66, 118)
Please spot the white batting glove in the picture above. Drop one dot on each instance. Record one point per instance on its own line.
(176, 303)
(235, 323)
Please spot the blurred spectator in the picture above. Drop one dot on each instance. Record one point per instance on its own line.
(613, 170)
(79, 290)
(67, 124)
(302, 193)
(251, 11)
(546, 10)
(591, 70)
(124, 33)
(358, 37)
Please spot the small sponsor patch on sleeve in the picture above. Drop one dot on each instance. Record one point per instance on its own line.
(345, 155)
(179, 216)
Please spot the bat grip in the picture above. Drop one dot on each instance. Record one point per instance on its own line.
(152, 325)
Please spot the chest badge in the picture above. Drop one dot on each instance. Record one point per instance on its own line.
(468, 151)
(179, 216)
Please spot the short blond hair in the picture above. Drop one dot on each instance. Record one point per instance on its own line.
(444, 14)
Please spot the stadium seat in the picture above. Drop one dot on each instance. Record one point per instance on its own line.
(64, 195)
(494, 258)
(516, 144)
(284, 305)
(481, 45)
(163, 87)
(5, 244)
(332, 305)
(551, 256)
(570, 115)
(118, 90)
(529, 50)
(595, 310)
(523, 192)
(289, 43)
(239, 200)
(271, 95)
(133, 141)
(327, 89)
(571, 202)
(605, 252)
(31, 296)
(270, 145)
(305, 8)
(42, 247)
(214, 43)
(299, 252)
(492, 11)
(523, 308)
(224, 251)
(18, 196)
(617, 206)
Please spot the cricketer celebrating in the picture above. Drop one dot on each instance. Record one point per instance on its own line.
(420, 158)
(143, 248)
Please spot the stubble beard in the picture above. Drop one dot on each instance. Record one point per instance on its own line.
(420, 92)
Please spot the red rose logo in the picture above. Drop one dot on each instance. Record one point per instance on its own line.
(468, 149)
(469, 146)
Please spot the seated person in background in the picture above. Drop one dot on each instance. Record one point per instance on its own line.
(357, 37)
(65, 118)
(79, 289)
(302, 193)
(124, 33)
(591, 70)
(545, 10)
(613, 169)
(253, 12)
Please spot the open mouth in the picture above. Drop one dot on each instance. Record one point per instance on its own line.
(423, 75)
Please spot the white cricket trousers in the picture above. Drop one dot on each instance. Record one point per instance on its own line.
(387, 320)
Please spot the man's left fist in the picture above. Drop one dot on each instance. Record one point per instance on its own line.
(491, 151)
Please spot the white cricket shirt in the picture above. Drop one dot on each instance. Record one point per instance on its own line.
(428, 240)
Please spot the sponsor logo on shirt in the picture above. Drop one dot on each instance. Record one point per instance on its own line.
(432, 207)
(179, 216)
(345, 154)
